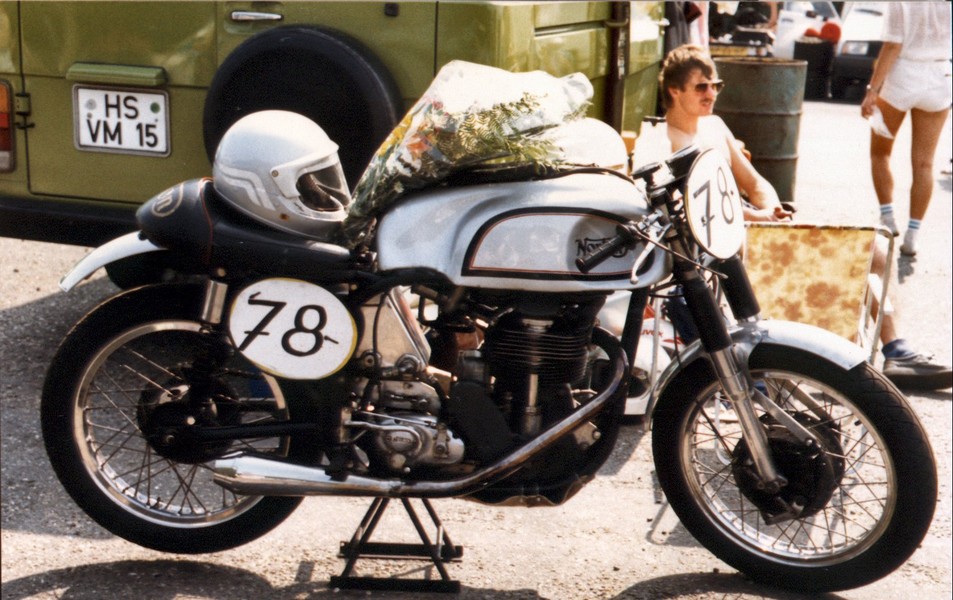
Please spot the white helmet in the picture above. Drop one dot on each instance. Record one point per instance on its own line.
(281, 169)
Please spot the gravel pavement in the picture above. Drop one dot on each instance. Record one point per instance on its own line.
(616, 539)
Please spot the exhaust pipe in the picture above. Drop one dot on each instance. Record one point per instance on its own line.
(255, 476)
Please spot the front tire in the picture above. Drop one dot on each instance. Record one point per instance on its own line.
(121, 380)
(869, 503)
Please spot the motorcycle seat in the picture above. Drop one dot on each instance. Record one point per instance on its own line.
(191, 220)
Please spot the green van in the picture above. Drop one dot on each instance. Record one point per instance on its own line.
(103, 104)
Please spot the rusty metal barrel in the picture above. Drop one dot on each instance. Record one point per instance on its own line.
(761, 104)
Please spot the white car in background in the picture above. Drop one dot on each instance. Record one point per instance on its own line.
(795, 18)
(858, 47)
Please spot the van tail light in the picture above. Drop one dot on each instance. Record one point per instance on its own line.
(6, 127)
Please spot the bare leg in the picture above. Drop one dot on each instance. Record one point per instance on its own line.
(902, 364)
(880, 149)
(888, 330)
(878, 266)
(927, 127)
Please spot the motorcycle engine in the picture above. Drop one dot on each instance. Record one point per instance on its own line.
(409, 440)
(529, 372)
(401, 421)
(399, 413)
(552, 350)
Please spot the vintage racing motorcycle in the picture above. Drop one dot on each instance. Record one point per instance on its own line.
(453, 347)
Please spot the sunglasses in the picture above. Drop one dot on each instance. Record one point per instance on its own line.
(716, 85)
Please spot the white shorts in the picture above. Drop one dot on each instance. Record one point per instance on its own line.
(927, 86)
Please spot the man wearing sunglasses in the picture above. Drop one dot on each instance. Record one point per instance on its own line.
(690, 86)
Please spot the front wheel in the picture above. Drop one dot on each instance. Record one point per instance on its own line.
(855, 511)
(125, 387)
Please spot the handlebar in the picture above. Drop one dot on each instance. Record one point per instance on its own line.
(626, 237)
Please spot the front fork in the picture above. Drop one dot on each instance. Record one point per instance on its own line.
(731, 368)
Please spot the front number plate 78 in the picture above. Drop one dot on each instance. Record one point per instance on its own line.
(123, 121)
(713, 206)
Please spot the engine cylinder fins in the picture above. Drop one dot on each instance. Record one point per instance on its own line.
(558, 355)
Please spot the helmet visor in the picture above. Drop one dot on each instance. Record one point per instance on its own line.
(325, 189)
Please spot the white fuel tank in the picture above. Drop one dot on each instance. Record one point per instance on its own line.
(519, 235)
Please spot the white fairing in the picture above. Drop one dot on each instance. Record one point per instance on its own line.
(522, 235)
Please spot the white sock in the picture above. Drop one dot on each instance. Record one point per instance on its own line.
(909, 245)
(887, 220)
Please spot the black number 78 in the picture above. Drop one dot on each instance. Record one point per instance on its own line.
(299, 328)
(727, 209)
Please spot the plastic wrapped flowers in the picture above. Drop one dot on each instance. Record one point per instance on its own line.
(471, 115)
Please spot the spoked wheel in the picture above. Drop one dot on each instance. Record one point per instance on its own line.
(850, 513)
(126, 394)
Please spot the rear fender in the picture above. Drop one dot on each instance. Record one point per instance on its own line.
(122, 247)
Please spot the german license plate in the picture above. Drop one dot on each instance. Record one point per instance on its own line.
(124, 121)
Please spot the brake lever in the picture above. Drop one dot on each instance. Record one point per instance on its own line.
(651, 235)
(654, 240)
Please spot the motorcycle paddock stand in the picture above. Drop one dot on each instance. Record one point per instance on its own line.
(438, 552)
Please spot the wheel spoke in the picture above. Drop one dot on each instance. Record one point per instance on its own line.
(98, 446)
(136, 384)
(162, 370)
(112, 404)
(858, 503)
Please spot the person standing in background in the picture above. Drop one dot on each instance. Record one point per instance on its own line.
(698, 28)
(679, 15)
(912, 74)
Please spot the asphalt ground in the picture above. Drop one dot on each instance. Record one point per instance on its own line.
(616, 539)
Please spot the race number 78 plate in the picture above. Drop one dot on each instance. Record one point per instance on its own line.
(292, 328)
(713, 206)
(123, 121)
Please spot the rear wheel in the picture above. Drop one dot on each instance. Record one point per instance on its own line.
(858, 509)
(125, 389)
(324, 75)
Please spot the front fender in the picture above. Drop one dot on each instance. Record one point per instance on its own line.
(125, 246)
(802, 336)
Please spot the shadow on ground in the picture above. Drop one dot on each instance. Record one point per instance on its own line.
(170, 579)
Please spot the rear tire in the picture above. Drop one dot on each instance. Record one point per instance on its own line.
(324, 75)
(141, 269)
(870, 510)
(119, 378)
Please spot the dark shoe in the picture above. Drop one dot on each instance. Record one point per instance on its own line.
(918, 372)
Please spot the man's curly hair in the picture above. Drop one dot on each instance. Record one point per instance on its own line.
(678, 66)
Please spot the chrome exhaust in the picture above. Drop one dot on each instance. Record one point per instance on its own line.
(255, 476)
